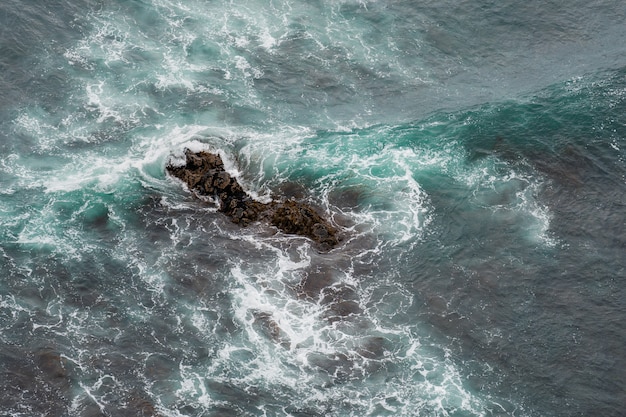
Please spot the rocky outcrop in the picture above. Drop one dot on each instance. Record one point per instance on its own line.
(204, 174)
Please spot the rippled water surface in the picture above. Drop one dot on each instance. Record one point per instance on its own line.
(472, 154)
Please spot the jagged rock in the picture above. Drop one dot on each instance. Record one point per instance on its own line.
(298, 218)
(204, 174)
(266, 323)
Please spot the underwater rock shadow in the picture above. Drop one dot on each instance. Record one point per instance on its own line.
(584, 189)
(568, 166)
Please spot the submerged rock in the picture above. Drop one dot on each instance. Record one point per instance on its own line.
(53, 368)
(204, 174)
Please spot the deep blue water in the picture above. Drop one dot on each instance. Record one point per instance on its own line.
(472, 153)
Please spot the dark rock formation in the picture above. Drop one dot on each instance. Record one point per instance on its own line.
(267, 325)
(205, 175)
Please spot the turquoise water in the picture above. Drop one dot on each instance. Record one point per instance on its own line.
(472, 154)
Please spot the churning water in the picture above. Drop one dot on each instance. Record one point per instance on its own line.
(473, 153)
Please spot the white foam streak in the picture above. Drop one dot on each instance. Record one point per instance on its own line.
(293, 342)
(95, 100)
(77, 400)
(514, 194)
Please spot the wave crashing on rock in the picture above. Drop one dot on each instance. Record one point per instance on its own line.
(205, 175)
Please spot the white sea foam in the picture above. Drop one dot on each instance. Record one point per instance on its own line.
(405, 216)
(304, 338)
(295, 347)
(97, 101)
(40, 232)
(514, 194)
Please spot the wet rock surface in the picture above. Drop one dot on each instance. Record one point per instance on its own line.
(204, 174)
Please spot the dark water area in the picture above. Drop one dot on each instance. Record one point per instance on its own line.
(472, 157)
(537, 309)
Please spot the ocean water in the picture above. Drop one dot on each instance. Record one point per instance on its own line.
(472, 153)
